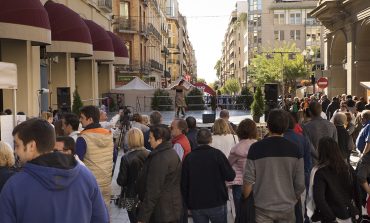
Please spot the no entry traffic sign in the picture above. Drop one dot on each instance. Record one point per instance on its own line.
(322, 83)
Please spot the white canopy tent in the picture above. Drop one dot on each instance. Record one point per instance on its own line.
(8, 80)
(135, 92)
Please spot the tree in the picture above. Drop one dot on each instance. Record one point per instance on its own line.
(195, 101)
(257, 106)
(232, 86)
(245, 99)
(77, 102)
(269, 70)
(161, 100)
(217, 67)
(201, 80)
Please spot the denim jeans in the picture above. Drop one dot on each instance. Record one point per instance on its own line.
(237, 194)
(215, 215)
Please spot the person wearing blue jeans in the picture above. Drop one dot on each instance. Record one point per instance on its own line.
(215, 215)
(204, 172)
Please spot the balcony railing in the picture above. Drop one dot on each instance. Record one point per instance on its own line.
(135, 67)
(154, 31)
(105, 5)
(173, 61)
(156, 65)
(126, 25)
(173, 46)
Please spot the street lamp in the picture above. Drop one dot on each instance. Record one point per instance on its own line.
(166, 53)
(307, 55)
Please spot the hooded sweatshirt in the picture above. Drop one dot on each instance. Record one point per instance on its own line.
(52, 188)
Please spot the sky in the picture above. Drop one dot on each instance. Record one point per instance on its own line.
(207, 22)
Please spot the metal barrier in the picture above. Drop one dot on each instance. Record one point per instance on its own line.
(235, 102)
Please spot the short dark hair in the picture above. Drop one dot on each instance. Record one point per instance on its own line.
(224, 113)
(191, 121)
(155, 118)
(91, 111)
(160, 132)
(8, 111)
(360, 106)
(182, 125)
(315, 108)
(38, 130)
(277, 121)
(204, 136)
(69, 143)
(247, 129)
(137, 117)
(72, 120)
(21, 113)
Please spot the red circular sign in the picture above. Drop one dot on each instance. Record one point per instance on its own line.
(322, 83)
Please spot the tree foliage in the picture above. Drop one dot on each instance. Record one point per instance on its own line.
(245, 99)
(77, 102)
(195, 101)
(269, 70)
(217, 67)
(258, 106)
(161, 100)
(232, 86)
(201, 80)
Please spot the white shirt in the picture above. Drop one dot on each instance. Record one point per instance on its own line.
(74, 135)
(224, 143)
(179, 150)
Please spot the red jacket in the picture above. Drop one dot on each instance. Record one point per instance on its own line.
(184, 142)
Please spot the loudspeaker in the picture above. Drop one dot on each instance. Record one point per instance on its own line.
(209, 118)
(271, 92)
(64, 99)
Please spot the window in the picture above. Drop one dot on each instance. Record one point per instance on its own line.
(295, 34)
(169, 26)
(279, 18)
(279, 35)
(124, 9)
(295, 18)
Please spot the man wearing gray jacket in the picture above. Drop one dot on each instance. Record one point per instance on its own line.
(274, 173)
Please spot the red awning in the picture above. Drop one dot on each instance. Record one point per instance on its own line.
(102, 43)
(24, 20)
(120, 50)
(205, 88)
(69, 33)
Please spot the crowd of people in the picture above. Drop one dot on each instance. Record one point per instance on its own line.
(300, 171)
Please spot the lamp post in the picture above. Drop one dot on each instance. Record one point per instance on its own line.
(307, 55)
(166, 53)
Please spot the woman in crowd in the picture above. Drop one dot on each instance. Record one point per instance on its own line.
(333, 185)
(223, 136)
(145, 120)
(48, 116)
(131, 164)
(137, 123)
(340, 121)
(247, 134)
(7, 162)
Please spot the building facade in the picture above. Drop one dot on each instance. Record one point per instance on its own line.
(60, 46)
(346, 36)
(233, 51)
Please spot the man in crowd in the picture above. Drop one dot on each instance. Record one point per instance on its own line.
(333, 106)
(363, 139)
(65, 144)
(51, 180)
(192, 131)
(159, 181)
(324, 102)
(70, 125)
(224, 114)
(275, 171)
(155, 119)
(179, 140)
(94, 147)
(204, 173)
(318, 128)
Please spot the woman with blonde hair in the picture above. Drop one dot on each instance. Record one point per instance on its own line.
(48, 116)
(7, 162)
(223, 137)
(131, 164)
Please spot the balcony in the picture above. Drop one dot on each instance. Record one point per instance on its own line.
(134, 68)
(292, 4)
(156, 65)
(173, 61)
(152, 30)
(126, 25)
(105, 5)
(143, 31)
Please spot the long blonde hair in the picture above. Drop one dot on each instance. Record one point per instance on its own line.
(221, 127)
(6, 155)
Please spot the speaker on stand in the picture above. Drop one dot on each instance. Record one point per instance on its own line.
(64, 99)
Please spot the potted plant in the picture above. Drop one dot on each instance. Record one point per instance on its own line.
(257, 106)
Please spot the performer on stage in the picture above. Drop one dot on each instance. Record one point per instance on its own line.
(180, 103)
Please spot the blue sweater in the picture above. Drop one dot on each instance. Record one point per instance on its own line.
(51, 194)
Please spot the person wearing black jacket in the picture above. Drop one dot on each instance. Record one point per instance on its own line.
(159, 181)
(204, 173)
(332, 107)
(334, 190)
(131, 165)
